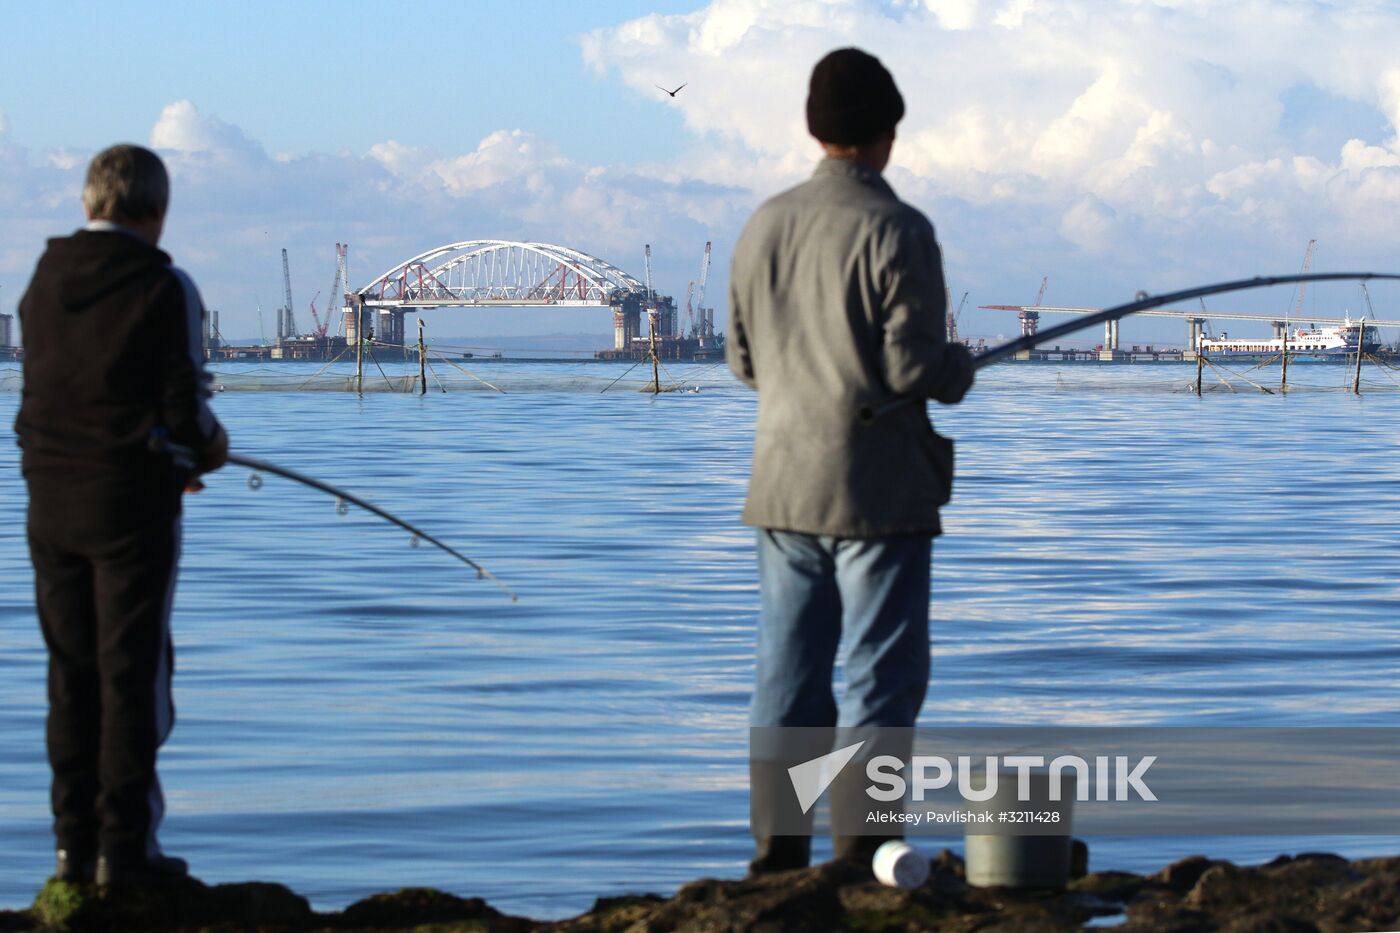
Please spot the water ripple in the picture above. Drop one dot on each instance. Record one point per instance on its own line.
(357, 714)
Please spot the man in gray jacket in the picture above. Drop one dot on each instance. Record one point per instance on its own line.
(837, 306)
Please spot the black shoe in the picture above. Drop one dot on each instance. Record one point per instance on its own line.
(152, 870)
(72, 865)
(781, 853)
(858, 849)
(854, 855)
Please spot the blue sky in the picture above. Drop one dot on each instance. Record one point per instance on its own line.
(316, 76)
(1110, 146)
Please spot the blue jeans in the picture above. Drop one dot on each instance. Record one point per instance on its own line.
(815, 589)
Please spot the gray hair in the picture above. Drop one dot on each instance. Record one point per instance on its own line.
(126, 182)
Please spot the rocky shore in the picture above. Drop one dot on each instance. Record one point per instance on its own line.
(1311, 892)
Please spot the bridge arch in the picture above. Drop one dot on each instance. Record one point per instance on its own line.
(501, 273)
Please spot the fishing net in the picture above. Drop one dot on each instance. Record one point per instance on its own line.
(395, 369)
(391, 368)
(388, 368)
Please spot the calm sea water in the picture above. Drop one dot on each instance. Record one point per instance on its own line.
(356, 714)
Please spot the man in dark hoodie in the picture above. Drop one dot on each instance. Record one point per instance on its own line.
(112, 355)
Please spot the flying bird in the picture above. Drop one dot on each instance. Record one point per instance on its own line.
(672, 93)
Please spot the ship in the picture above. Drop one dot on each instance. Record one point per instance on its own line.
(1338, 342)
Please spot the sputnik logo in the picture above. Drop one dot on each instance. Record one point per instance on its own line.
(811, 778)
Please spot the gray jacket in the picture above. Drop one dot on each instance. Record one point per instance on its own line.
(837, 302)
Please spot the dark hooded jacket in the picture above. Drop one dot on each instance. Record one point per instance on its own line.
(113, 350)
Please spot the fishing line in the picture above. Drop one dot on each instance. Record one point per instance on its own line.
(183, 456)
(372, 359)
(1266, 363)
(696, 376)
(463, 369)
(1383, 367)
(623, 376)
(669, 375)
(329, 363)
(1142, 302)
(1216, 369)
(428, 364)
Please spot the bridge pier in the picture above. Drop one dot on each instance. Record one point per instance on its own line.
(1030, 321)
(385, 325)
(390, 326)
(352, 327)
(1194, 330)
(627, 320)
(1110, 340)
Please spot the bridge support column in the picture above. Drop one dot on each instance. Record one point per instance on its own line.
(1193, 335)
(1279, 328)
(390, 326)
(627, 321)
(1110, 341)
(352, 325)
(671, 318)
(1110, 335)
(1030, 321)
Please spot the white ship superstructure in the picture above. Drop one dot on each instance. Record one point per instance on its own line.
(1339, 340)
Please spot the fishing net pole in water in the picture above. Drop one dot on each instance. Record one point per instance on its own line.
(1379, 375)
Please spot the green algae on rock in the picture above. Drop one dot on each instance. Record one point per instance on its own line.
(183, 904)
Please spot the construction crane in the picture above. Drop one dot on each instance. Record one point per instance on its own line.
(334, 294)
(323, 326)
(289, 322)
(953, 318)
(1030, 319)
(342, 265)
(320, 328)
(700, 298)
(689, 309)
(653, 312)
(1303, 286)
(648, 282)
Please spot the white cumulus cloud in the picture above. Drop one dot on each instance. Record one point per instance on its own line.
(1111, 145)
(234, 206)
(1050, 135)
(1089, 224)
(182, 128)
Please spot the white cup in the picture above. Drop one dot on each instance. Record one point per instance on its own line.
(900, 865)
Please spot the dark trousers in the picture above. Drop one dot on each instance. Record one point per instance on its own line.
(105, 557)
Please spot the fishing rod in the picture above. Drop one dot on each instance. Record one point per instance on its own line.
(184, 457)
(1141, 302)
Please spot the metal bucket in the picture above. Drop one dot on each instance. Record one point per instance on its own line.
(1005, 852)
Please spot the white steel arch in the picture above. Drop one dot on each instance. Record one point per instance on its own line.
(500, 272)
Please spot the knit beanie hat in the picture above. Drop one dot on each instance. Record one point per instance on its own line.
(852, 99)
